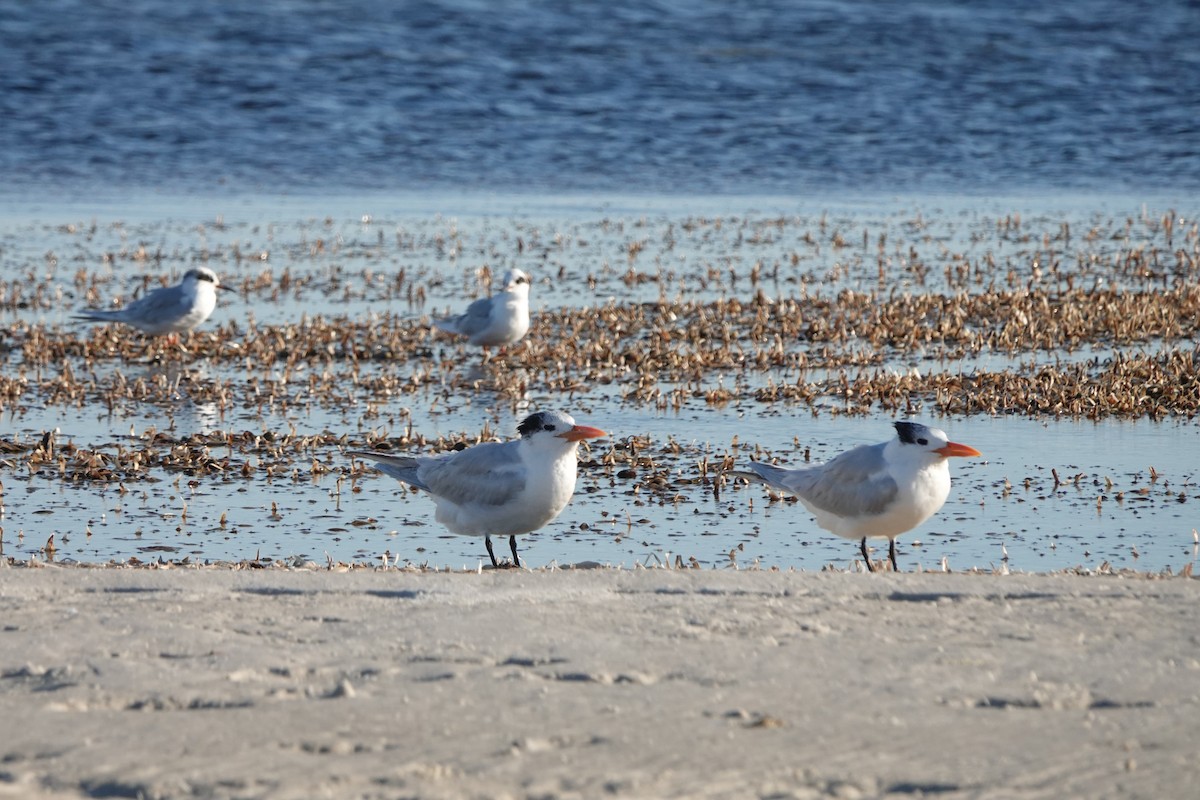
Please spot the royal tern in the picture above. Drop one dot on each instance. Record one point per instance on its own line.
(501, 319)
(878, 490)
(169, 309)
(502, 488)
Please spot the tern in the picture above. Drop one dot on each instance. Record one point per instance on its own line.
(877, 490)
(501, 319)
(169, 309)
(501, 488)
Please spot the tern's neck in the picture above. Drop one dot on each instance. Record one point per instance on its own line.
(515, 297)
(896, 452)
(552, 455)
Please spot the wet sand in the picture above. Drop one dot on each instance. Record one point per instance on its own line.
(619, 683)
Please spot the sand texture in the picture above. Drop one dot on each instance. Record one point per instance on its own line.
(603, 683)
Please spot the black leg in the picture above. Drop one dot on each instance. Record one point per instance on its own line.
(892, 554)
(512, 543)
(866, 555)
(488, 541)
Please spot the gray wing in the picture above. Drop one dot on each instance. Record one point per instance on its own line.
(98, 315)
(487, 474)
(853, 484)
(476, 318)
(402, 468)
(162, 304)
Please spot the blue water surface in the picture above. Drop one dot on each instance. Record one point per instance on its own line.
(674, 96)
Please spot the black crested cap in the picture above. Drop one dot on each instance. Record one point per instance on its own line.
(541, 421)
(909, 432)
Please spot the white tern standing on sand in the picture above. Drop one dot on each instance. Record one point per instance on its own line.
(502, 488)
(169, 309)
(501, 319)
(877, 490)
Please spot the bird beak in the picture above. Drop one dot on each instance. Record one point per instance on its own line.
(582, 432)
(224, 288)
(956, 449)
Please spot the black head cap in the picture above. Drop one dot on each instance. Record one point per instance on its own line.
(541, 421)
(911, 432)
(200, 275)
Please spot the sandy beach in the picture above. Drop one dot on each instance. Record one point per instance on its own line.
(618, 683)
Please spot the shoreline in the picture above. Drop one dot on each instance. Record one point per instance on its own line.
(576, 683)
(232, 204)
(301, 565)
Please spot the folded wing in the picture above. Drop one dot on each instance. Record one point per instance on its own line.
(853, 484)
(486, 474)
(475, 319)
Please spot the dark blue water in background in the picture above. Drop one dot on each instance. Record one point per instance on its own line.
(684, 96)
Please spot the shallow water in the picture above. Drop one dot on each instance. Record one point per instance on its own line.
(376, 162)
(582, 257)
(1035, 524)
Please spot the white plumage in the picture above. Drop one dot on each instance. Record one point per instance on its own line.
(879, 490)
(168, 309)
(502, 488)
(501, 319)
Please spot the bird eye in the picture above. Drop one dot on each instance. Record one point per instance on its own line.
(922, 442)
(548, 428)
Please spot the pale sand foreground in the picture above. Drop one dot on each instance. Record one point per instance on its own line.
(648, 683)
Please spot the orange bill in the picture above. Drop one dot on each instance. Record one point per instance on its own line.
(582, 432)
(956, 449)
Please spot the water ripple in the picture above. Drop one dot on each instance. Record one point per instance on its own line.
(663, 97)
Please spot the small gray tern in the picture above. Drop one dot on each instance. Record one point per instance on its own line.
(499, 320)
(169, 309)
